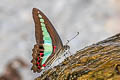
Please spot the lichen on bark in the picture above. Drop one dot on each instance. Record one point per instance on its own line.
(100, 61)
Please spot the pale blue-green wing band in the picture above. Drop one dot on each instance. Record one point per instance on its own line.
(42, 24)
(39, 16)
(47, 39)
(42, 20)
(44, 59)
(48, 42)
(48, 48)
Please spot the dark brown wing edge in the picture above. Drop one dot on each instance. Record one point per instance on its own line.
(38, 30)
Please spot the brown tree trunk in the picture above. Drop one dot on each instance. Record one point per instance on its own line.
(100, 61)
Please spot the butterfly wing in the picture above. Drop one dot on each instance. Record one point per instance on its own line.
(48, 45)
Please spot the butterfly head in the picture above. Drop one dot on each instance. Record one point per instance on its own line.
(66, 47)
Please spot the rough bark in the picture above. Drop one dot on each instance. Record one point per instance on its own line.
(100, 61)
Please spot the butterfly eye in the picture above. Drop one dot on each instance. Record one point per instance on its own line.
(66, 47)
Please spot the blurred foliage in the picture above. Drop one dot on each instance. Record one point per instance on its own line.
(11, 71)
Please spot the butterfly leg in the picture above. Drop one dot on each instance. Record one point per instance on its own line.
(69, 57)
(69, 52)
(58, 60)
(65, 55)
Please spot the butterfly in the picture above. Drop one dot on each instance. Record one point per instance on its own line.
(48, 45)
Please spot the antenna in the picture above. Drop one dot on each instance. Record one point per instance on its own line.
(72, 38)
